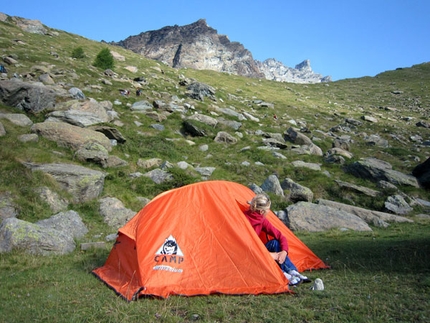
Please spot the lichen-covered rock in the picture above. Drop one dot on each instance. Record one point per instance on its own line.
(70, 136)
(31, 238)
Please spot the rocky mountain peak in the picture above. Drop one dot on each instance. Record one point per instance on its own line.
(199, 46)
(304, 66)
(196, 46)
(302, 73)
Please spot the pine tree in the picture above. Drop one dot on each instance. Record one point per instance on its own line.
(104, 59)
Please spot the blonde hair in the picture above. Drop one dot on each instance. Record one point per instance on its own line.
(260, 202)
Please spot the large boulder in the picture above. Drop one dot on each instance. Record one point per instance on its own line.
(380, 219)
(18, 119)
(81, 114)
(29, 97)
(70, 136)
(378, 170)
(32, 238)
(199, 91)
(304, 216)
(83, 184)
(69, 223)
(422, 173)
(297, 137)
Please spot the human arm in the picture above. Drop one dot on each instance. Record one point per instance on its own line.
(279, 256)
(282, 252)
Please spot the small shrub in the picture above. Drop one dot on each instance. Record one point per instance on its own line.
(104, 59)
(78, 52)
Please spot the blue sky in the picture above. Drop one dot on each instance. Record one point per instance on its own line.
(341, 38)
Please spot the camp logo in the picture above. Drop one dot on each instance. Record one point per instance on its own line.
(169, 256)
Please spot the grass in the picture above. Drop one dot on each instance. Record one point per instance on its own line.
(382, 276)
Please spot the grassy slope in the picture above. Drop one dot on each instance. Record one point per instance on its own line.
(378, 277)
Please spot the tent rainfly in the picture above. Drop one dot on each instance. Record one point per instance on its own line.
(196, 240)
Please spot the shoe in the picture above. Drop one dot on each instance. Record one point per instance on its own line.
(303, 278)
(288, 276)
(294, 281)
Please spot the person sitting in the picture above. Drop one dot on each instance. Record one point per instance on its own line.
(278, 247)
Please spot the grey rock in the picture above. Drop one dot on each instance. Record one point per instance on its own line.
(141, 106)
(26, 96)
(81, 114)
(148, 163)
(115, 161)
(397, 205)
(302, 164)
(358, 189)
(334, 159)
(272, 185)
(304, 216)
(77, 93)
(376, 170)
(18, 119)
(296, 137)
(271, 142)
(110, 132)
(69, 223)
(369, 216)
(8, 209)
(82, 183)
(114, 213)
(55, 202)
(46, 79)
(225, 137)
(158, 126)
(199, 91)
(34, 239)
(193, 129)
(255, 188)
(205, 171)
(370, 119)
(230, 123)
(376, 140)
(70, 136)
(159, 176)
(204, 119)
(297, 192)
(93, 152)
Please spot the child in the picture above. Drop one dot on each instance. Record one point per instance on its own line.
(278, 247)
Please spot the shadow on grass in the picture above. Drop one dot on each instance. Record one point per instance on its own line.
(375, 254)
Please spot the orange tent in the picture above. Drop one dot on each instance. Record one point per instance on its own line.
(195, 240)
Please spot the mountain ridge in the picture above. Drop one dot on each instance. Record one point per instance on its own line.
(199, 46)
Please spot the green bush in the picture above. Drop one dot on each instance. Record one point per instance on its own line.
(104, 59)
(78, 52)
